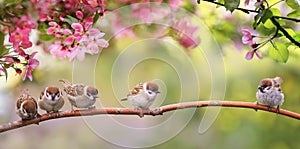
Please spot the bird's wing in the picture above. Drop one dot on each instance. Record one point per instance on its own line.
(136, 89)
(68, 87)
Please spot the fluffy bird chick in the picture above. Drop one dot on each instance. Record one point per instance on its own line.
(269, 92)
(51, 99)
(142, 96)
(80, 95)
(26, 106)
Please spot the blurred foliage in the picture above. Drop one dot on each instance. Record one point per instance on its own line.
(233, 128)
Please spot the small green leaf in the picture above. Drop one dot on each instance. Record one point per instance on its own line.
(70, 20)
(294, 14)
(275, 11)
(293, 4)
(231, 4)
(262, 29)
(2, 35)
(279, 52)
(297, 37)
(267, 14)
(96, 18)
(257, 19)
(42, 27)
(46, 37)
(3, 50)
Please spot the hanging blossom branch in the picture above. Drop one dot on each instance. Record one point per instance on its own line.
(158, 111)
(273, 19)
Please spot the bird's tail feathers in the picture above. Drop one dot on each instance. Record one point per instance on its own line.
(65, 82)
(123, 99)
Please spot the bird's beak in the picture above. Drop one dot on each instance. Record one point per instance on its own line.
(158, 92)
(96, 96)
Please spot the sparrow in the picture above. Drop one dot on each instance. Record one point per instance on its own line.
(51, 99)
(26, 106)
(269, 92)
(142, 96)
(80, 95)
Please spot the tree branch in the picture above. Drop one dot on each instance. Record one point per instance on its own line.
(285, 33)
(158, 111)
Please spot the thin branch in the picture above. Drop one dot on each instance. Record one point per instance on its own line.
(286, 18)
(285, 33)
(158, 111)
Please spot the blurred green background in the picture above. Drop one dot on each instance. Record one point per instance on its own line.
(233, 128)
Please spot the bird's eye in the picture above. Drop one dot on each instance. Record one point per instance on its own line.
(88, 94)
(58, 95)
(150, 92)
(47, 95)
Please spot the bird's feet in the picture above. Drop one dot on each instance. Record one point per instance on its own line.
(277, 109)
(141, 112)
(256, 107)
(156, 111)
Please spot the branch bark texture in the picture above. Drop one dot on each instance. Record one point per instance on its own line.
(158, 111)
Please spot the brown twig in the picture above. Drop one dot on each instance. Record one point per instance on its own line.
(158, 111)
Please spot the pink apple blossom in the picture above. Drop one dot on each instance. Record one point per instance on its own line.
(185, 34)
(247, 37)
(20, 38)
(32, 63)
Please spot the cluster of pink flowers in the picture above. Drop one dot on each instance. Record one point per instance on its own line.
(248, 39)
(16, 55)
(19, 35)
(72, 29)
(75, 42)
(11, 60)
(185, 33)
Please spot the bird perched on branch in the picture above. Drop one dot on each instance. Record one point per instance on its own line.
(51, 99)
(142, 96)
(26, 106)
(269, 92)
(80, 95)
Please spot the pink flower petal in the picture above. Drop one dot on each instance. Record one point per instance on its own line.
(52, 24)
(258, 55)
(67, 32)
(249, 55)
(79, 15)
(77, 26)
(69, 40)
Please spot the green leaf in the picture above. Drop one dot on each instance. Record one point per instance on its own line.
(268, 24)
(294, 14)
(275, 11)
(297, 37)
(70, 20)
(262, 29)
(279, 52)
(46, 37)
(231, 4)
(42, 27)
(267, 14)
(1, 38)
(293, 4)
(3, 50)
(96, 18)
